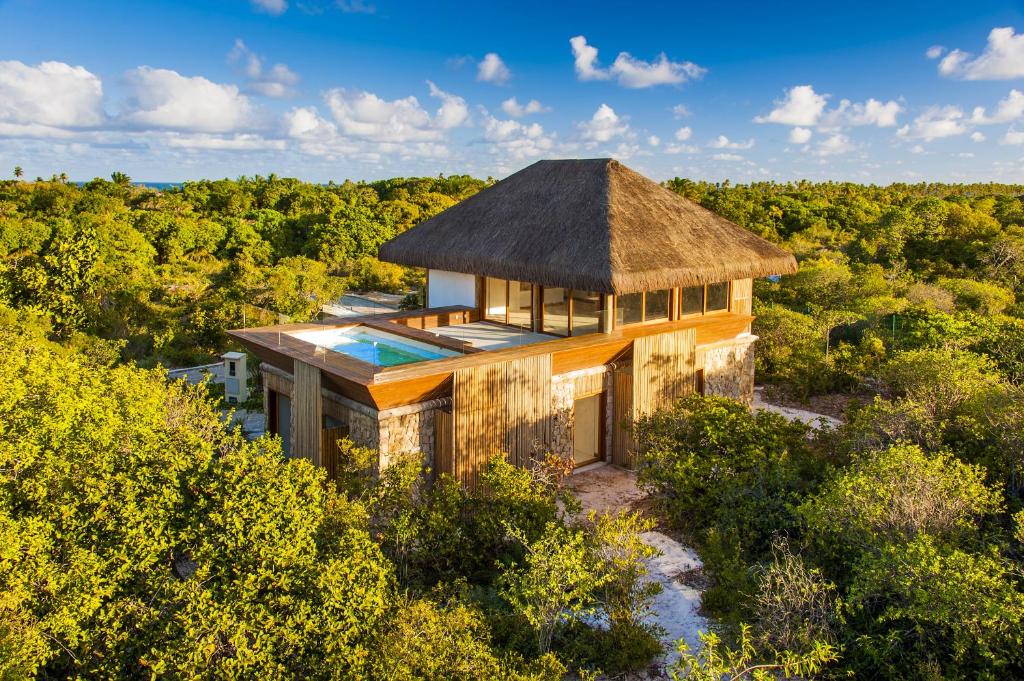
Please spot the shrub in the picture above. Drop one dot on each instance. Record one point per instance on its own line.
(928, 610)
(713, 463)
(898, 493)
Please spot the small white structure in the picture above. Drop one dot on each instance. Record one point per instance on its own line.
(236, 383)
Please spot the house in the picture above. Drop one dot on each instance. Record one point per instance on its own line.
(561, 303)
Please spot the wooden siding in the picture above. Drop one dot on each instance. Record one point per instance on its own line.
(329, 449)
(663, 369)
(743, 296)
(622, 416)
(500, 407)
(444, 431)
(527, 407)
(307, 412)
(588, 384)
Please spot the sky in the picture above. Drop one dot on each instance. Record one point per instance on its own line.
(367, 89)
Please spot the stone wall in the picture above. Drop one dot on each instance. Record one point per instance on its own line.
(563, 395)
(405, 434)
(729, 369)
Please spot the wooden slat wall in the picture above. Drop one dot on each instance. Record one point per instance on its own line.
(588, 384)
(499, 407)
(443, 433)
(527, 407)
(663, 369)
(329, 449)
(277, 383)
(743, 296)
(622, 406)
(307, 410)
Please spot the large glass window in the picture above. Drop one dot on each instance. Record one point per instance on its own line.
(520, 304)
(586, 312)
(656, 305)
(691, 300)
(496, 300)
(717, 297)
(629, 309)
(556, 311)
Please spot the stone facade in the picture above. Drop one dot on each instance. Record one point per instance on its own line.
(405, 433)
(729, 369)
(563, 396)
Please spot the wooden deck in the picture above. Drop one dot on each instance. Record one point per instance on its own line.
(386, 387)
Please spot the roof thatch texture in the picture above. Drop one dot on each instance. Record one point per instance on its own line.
(588, 224)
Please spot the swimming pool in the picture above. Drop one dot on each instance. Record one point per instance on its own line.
(379, 348)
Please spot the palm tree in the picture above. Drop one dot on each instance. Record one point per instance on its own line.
(120, 178)
(18, 172)
(64, 178)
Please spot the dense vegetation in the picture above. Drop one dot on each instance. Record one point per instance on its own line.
(140, 537)
(163, 274)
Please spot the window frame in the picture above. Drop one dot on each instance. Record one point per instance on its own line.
(671, 311)
(601, 324)
(508, 303)
(704, 302)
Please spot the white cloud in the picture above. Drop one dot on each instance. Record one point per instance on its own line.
(1013, 137)
(653, 140)
(270, 6)
(516, 110)
(727, 157)
(801, 106)
(366, 116)
(516, 140)
(935, 51)
(492, 70)
(586, 60)
(43, 100)
(355, 7)
(917, 149)
(977, 137)
(629, 71)
(604, 125)
(682, 149)
(453, 111)
(837, 143)
(1002, 59)
(1007, 110)
(935, 123)
(277, 81)
(240, 142)
(799, 135)
(166, 99)
(723, 142)
(871, 112)
(680, 111)
(683, 134)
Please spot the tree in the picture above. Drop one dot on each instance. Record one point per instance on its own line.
(18, 172)
(557, 581)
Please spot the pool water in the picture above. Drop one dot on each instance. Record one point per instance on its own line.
(378, 348)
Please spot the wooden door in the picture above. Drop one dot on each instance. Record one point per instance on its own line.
(588, 428)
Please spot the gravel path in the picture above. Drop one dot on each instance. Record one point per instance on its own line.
(793, 414)
(608, 488)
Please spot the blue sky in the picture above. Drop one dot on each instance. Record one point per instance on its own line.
(363, 89)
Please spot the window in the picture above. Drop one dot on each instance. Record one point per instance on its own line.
(656, 305)
(231, 368)
(520, 304)
(629, 309)
(717, 297)
(496, 300)
(691, 300)
(695, 300)
(508, 302)
(586, 312)
(556, 311)
(649, 306)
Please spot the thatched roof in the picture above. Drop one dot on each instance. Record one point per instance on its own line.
(588, 224)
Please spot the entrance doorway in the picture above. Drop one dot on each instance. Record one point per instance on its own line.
(588, 429)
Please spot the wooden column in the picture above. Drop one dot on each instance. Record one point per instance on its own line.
(307, 412)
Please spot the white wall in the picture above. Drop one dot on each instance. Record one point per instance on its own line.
(451, 288)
